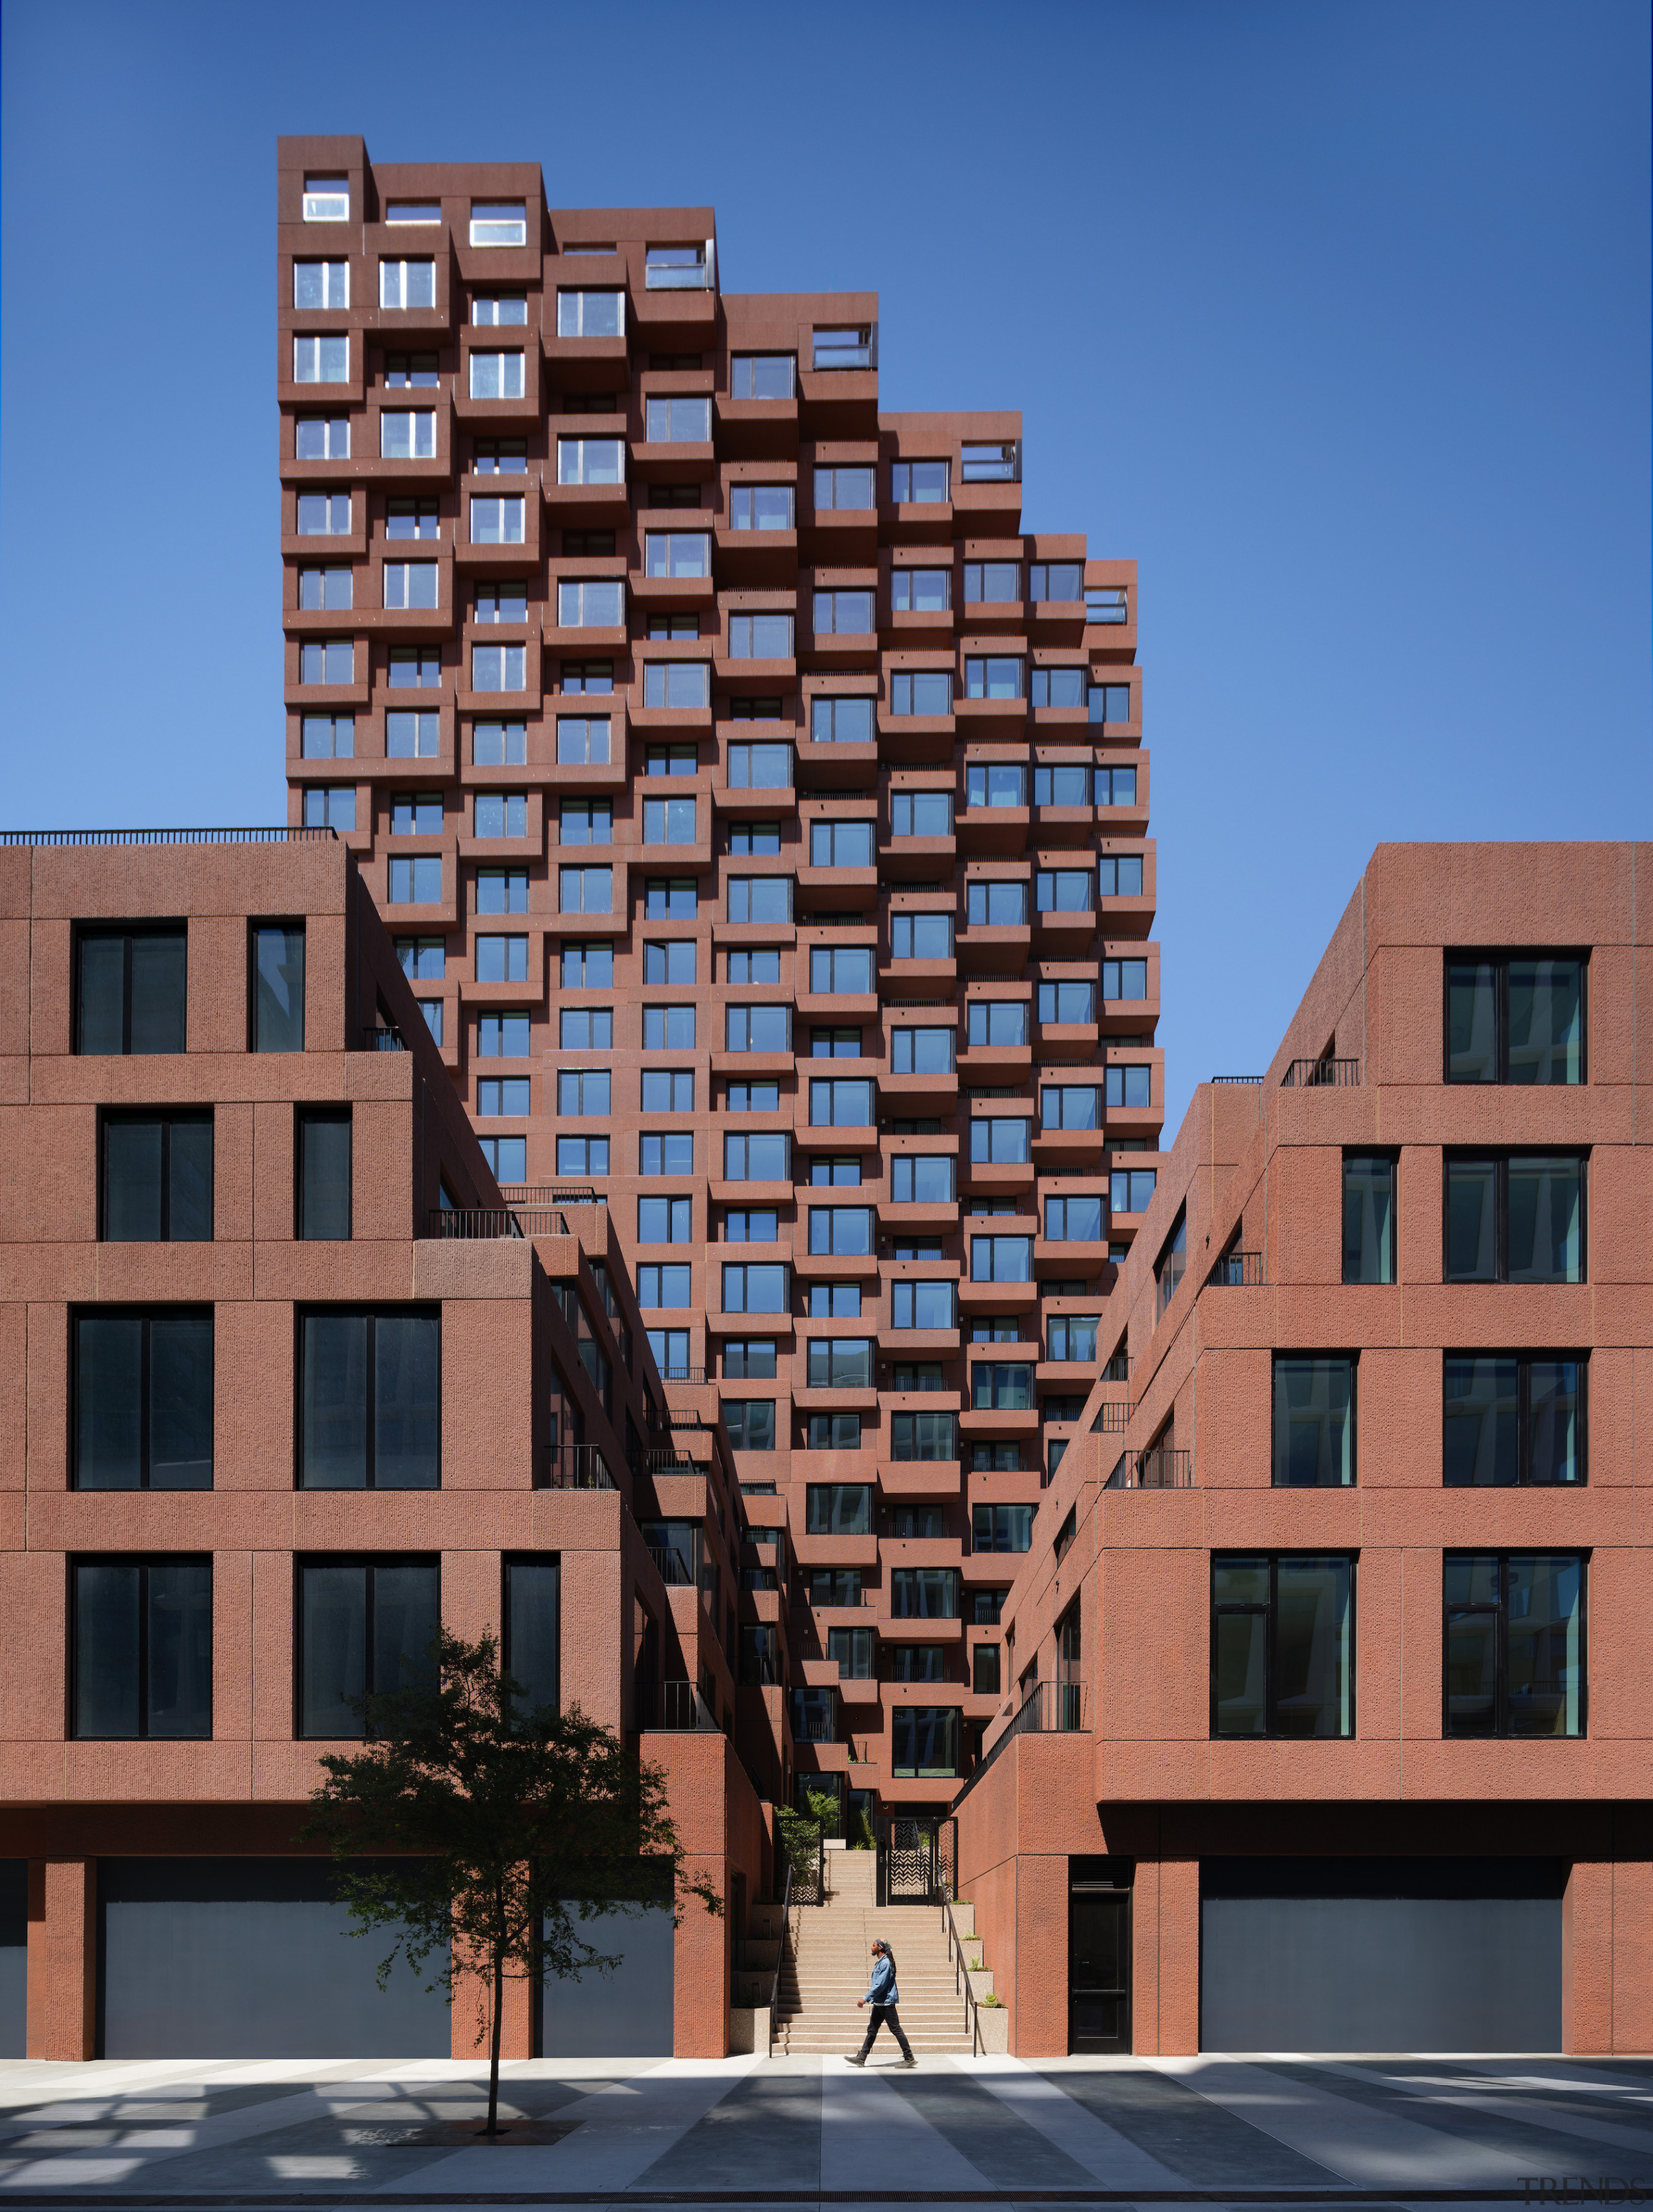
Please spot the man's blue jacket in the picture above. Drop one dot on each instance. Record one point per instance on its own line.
(883, 1991)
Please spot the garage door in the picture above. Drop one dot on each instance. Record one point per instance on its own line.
(626, 2014)
(1380, 1954)
(14, 1958)
(248, 1958)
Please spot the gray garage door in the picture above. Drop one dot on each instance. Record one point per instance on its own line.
(1380, 1954)
(248, 1958)
(624, 2015)
(14, 1958)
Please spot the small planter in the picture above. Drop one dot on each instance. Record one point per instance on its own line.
(994, 2023)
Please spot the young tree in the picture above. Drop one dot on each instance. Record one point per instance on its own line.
(508, 1825)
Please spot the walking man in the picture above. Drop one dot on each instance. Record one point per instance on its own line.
(883, 1998)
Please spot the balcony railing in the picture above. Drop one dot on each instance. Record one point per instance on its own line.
(675, 1571)
(519, 1194)
(1113, 1418)
(1237, 1270)
(283, 834)
(685, 1375)
(666, 1459)
(1163, 1470)
(1321, 1075)
(674, 1709)
(1238, 1078)
(470, 1221)
(1053, 1709)
(377, 1037)
(576, 1467)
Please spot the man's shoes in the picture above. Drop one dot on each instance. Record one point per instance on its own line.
(909, 2062)
(854, 2058)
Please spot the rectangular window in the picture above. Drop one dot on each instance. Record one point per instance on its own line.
(751, 1422)
(496, 375)
(582, 742)
(324, 809)
(757, 1156)
(129, 990)
(532, 1629)
(499, 522)
(502, 1094)
(763, 376)
(590, 314)
(993, 904)
(925, 1435)
(1067, 890)
(839, 844)
(579, 1029)
(584, 1092)
(501, 959)
(326, 199)
(668, 1090)
(1074, 1220)
(676, 553)
(1512, 1418)
(1515, 1219)
(370, 1399)
(1057, 687)
(993, 676)
(416, 879)
(666, 1152)
(661, 1285)
(1056, 579)
(508, 1158)
(1073, 1337)
(758, 1028)
(410, 734)
(843, 489)
(1168, 1276)
(921, 1052)
(498, 744)
(324, 514)
(840, 1363)
(921, 937)
(1001, 1259)
(499, 222)
(1119, 875)
(322, 1159)
(841, 721)
(596, 603)
(999, 1022)
(140, 1643)
(322, 360)
(760, 898)
(278, 987)
(665, 1220)
(760, 768)
(991, 463)
(505, 1036)
(917, 1304)
(996, 582)
(407, 435)
(502, 890)
(838, 1508)
(678, 419)
(1002, 1528)
(414, 667)
(924, 1739)
(749, 1287)
(1125, 979)
(685, 684)
(760, 637)
(404, 284)
(839, 1102)
(325, 591)
(411, 372)
(156, 1178)
(584, 890)
(1513, 1644)
(844, 1229)
(1062, 784)
(842, 613)
(668, 822)
(141, 1391)
(1130, 1190)
(1515, 1017)
(365, 1627)
(995, 783)
(1313, 1421)
(851, 347)
(761, 507)
(922, 1179)
(924, 1592)
(422, 959)
(1368, 1218)
(581, 1156)
(1282, 1645)
(919, 484)
(411, 517)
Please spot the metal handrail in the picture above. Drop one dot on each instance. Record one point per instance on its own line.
(1163, 1469)
(781, 1952)
(283, 834)
(549, 1193)
(1234, 1079)
(1237, 1270)
(1113, 1416)
(577, 1466)
(381, 1037)
(956, 1959)
(674, 1571)
(1321, 1074)
(684, 1711)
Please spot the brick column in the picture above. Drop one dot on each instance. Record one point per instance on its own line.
(63, 1958)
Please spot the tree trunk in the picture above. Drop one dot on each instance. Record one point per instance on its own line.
(494, 2052)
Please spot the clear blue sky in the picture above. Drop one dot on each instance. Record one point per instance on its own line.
(1335, 316)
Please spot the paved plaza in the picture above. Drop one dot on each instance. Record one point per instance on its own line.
(805, 2131)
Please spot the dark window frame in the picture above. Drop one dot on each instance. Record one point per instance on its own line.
(1499, 958)
(370, 1560)
(1299, 1352)
(421, 1309)
(255, 923)
(1350, 1156)
(1500, 1157)
(146, 1314)
(302, 1116)
(127, 931)
(507, 1561)
(1272, 1732)
(1503, 1733)
(1524, 1361)
(166, 1116)
(144, 1561)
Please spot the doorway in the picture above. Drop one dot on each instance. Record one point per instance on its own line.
(1099, 1955)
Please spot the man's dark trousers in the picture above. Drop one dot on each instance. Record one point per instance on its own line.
(884, 2016)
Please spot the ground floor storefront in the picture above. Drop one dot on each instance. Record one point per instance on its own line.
(1356, 1927)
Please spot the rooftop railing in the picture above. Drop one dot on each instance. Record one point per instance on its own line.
(1237, 1078)
(280, 833)
(1321, 1075)
(1237, 1270)
(1161, 1469)
(576, 1467)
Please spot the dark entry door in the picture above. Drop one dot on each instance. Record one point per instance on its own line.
(1099, 1956)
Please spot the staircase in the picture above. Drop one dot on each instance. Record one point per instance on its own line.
(826, 1963)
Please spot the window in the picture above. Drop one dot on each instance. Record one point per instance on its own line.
(323, 514)
(1105, 604)
(578, 1156)
(1513, 1657)
(995, 783)
(140, 1643)
(755, 1156)
(848, 488)
(761, 507)
(499, 222)
(414, 668)
(677, 419)
(326, 199)
(498, 457)
(498, 744)
(582, 742)
(1062, 785)
(839, 1102)
(325, 591)
(1002, 1387)
(324, 809)
(922, 1179)
(991, 463)
(321, 360)
(364, 1628)
(412, 735)
(921, 591)
(924, 1594)
(749, 1287)
(422, 959)
(410, 584)
(754, 965)
(1130, 1085)
(583, 1092)
(1057, 687)
(760, 768)
(323, 1160)
(501, 814)
(501, 959)
(668, 961)
(841, 721)
(841, 1229)
(1119, 875)
(751, 1225)
(841, 845)
(505, 1036)
(840, 1363)
(412, 517)
(758, 1028)
(321, 284)
(665, 1220)
(370, 1400)
(1169, 1270)
(668, 1090)
(668, 1029)
(129, 995)
(751, 1422)
(660, 1286)
(1074, 1220)
(921, 1052)
(992, 902)
(1115, 787)
(278, 987)
(141, 1390)
(499, 521)
(501, 890)
(842, 613)
(1512, 1418)
(1125, 979)
(838, 1508)
(155, 1177)
(532, 1614)
(852, 347)
(403, 284)
(1110, 702)
(760, 898)
(924, 1739)
(676, 553)
(1065, 891)
(416, 879)
(1515, 1017)
(1282, 1645)
(997, 1022)
(502, 1094)
(590, 461)
(685, 684)
(494, 309)
(1130, 1190)
(500, 602)
(991, 582)
(1001, 1259)
(921, 937)
(1056, 579)
(748, 1357)
(1368, 1218)
(993, 676)
(587, 965)
(590, 314)
(915, 1304)
(1073, 1337)
(923, 1436)
(1070, 1106)
(1313, 1421)
(1515, 1219)
(760, 637)
(408, 372)
(668, 822)
(584, 890)
(579, 1029)
(763, 376)
(919, 484)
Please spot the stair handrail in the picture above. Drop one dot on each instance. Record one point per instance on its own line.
(781, 1952)
(956, 1959)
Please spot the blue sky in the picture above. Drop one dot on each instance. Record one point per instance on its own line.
(1335, 317)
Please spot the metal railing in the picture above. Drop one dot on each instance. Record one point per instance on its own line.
(376, 1036)
(1163, 1470)
(780, 1952)
(675, 1571)
(666, 1459)
(280, 833)
(1235, 1078)
(956, 1961)
(1113, 1418)
(1321, 1074)
(576, 1467)
(685, 1375)
(549, 1193)
(1051, 1709)
(468, 1221)
(1237, 1270)
(678, 1710)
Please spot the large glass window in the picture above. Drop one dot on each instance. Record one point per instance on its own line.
(838, 1508)
(1124, 979)
(1282, 1638)
(1078, 1218)
(921, 937)
(278, 986)
(141, 1390)
(129, 990)
(1515, 1017)
(840, 1363)
(750, 1422)
(590, 314)
(995, 903)
(1073, 1337)
(924, 1592)
(921, 691)
(1368, 1218)
(922, 1179)
(365, 1628)
(1513, 1657)
(370, 1400)
(1001, 1259)
(839, 1102)
(993, 676)
(1313, 1421)
(323, 1160)
(1170, 1265)
(156, 1179)
(749, 1287)
(763, 376)
(1511, 1417)
(916, 1304)
(1515, 1218)
(923, 1436)
(921, 1052)
(841, 721)
(1002, 1528)
(841, 1229)
(533, 1626)
(924, 1739)
(140, 1646)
